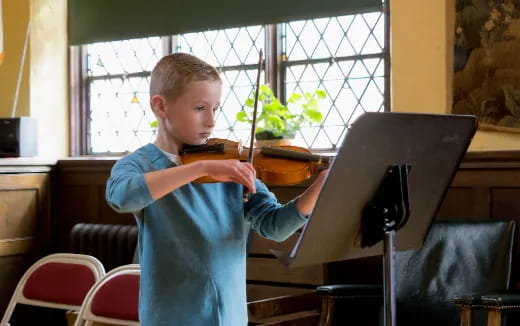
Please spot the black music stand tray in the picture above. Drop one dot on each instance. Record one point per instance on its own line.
(386, 184)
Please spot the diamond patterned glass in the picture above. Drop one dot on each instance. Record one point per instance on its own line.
(234, 52)
(120, 115)
(118, 86)
(342, 56)
(123, 57)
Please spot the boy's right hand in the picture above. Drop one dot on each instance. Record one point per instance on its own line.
(232, 171)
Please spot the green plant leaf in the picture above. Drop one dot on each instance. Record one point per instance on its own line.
(320, 93)
(314, 115)
(265, 89)
(277, 118)
(250, 103)
(294, 98)
(242, 117)
(312, 104)
(271, 108)
(275, 124)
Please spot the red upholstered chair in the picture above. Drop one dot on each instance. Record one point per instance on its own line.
(58, 281)
(114, 299)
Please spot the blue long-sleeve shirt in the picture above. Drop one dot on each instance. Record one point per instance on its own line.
(192, 242)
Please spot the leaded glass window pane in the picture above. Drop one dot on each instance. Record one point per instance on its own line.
(234, 52)
(123, 57)
(118, 88)
(342, 56)
(120, 115)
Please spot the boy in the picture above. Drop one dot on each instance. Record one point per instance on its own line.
(192, 236)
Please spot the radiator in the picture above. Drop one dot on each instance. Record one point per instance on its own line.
(114, 245)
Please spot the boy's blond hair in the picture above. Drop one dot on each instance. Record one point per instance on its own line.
(173, 72)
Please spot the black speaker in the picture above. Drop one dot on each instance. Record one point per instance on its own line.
(18, 137)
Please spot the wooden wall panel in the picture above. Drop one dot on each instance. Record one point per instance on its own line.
(24, 213)
(105, 213)
(81, 189)
(261, 246)
(271, 270)
(505, 203)
(18, 221)
(465, 202)
(487, 185)
(25, 219)
(18, 213)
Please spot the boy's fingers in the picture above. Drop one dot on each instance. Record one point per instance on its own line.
(241, 172)
(240, 179)
(252, 178)
(252, 169)
(248, 179)
(252, 187)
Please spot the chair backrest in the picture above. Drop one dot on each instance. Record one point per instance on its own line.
(114, 299)
(458, 258)
(56, 281)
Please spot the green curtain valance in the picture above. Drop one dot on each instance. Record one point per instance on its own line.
(106, 20)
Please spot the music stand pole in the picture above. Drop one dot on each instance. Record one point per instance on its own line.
(389, 278)
(386, 213)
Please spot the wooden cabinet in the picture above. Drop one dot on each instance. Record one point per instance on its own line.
(25, 218)
(24, 213)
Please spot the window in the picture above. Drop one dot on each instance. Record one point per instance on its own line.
(235, 52)
(118, 79)
(343, 56)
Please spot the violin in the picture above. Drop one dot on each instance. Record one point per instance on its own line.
(274, 165)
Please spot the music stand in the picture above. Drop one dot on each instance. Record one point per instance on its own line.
(389, 166)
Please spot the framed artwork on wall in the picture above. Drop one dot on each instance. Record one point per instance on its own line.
(486, 80)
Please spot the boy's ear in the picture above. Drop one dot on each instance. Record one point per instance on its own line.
(158, 104)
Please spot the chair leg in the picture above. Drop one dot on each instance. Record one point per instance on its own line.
(494, 317)
(327, 310)
(465, 316)
(8, 312)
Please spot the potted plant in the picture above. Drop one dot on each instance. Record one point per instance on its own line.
(277, 121)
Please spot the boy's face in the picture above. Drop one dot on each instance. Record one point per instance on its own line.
(190, 118)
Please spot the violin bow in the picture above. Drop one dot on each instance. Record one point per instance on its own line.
(253, 127)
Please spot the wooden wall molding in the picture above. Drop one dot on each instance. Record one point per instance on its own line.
(487, 185)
